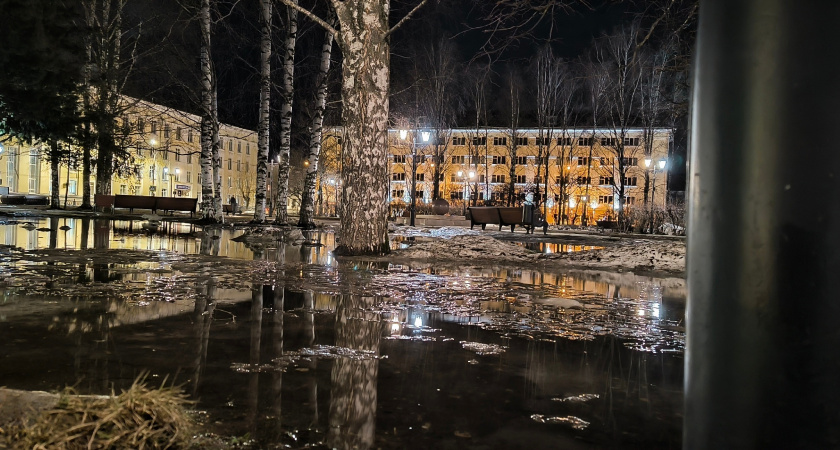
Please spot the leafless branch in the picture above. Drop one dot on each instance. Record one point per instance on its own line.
(310, 15)
(407, 16)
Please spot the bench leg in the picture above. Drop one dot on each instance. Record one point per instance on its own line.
(483, 226)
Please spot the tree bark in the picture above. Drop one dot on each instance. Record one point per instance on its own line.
(365, 79)
(283, 166)
(217, 159)
(264, 114)
(307, 204)
(207, 204)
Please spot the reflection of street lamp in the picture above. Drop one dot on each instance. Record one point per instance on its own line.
(425, 137)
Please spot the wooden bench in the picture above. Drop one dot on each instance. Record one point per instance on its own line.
(135, 201)
(482, 215)
(511, 216)
(185, 204)
(103, 201)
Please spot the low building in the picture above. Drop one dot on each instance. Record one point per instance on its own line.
(162, 154)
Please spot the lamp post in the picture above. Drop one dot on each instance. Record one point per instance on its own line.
(166, 176)
(425, 136)
(177, 174)
(661, 163)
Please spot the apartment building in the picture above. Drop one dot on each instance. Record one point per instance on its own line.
(474, 165)
(163, 154)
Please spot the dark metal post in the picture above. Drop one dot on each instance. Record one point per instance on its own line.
(762, 365)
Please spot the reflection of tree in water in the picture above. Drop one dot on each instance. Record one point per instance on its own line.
(202, 320)
(210, 242)
(352, 415)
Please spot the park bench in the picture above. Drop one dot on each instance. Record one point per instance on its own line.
(104, 201)
(185, 204)
(503, 216)
(135, 201)
(36, 199)
(511, 216)
(483, 215)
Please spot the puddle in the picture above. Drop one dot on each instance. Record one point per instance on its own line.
(294, 349)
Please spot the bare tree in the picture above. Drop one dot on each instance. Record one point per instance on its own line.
(283, 164)
(209, 122)
(618, 61)
(363, 36)
(438, 83)
(478, 81)
(265, 112)
(512, 141)
(307, 203)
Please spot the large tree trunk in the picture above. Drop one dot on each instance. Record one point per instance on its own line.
(307, 204)
(55, 187)
(265, 91)
(364, 171)
(206, 160)
(283, 166)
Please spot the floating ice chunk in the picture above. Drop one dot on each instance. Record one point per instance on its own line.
(577, 398)
(483, 349)
(559, 302)
(575, 422)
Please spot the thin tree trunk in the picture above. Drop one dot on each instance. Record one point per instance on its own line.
(283, 166)
(365, 79)
(217, 158)
(263, 131)
(86, 92)
(206, 160)
(55, 187)
(307, 204)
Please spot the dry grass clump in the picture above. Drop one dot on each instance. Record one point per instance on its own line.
(138, 418)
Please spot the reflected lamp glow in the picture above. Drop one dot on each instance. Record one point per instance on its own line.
(460, 173)
(572, 203)
(418, 322)
(395, 327)
(593, 204)
(152, 142)
(472, 174)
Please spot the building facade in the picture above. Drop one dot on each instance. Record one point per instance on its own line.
(162, 152)
(476, 167)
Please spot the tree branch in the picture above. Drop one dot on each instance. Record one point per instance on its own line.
(407, 16)
(311, 15)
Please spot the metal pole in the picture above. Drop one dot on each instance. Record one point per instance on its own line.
(764, 230)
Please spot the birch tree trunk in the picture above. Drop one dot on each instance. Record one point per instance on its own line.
(217, 157)
(265, 92)
(365, 78)
(206, 160)
(307, 204)
(282, 212)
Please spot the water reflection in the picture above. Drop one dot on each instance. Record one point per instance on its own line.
(244, 337)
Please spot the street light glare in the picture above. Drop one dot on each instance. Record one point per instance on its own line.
(425, 135)
(662, 163)
(153, 141)
(647, 162)
(403, 134)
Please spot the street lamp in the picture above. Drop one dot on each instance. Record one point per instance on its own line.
(177, 173)
(425, 136)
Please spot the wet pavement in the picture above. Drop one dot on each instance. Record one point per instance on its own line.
(287, 347)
